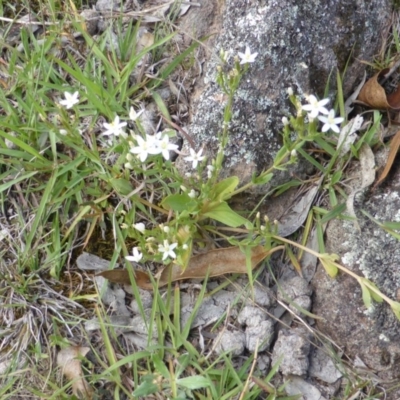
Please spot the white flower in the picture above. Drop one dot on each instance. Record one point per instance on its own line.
(136, 257)
(133, 115)
(289, 91)
(247, 57)
(166, 229)
(139, 226)
(3, 234)
(63, 132)
(165, 146)
(70, 100)
(192, 194)
(293, 153)
(210, 169)
(315, 107)
(167, 250)
(144, 147)
(115, 128)
(285, 121)
(185, 246)
(330, 122)
(194, 157)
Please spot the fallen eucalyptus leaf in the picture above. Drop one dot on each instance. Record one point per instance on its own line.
(218, 262)
(373, 94)
(67, 360)
(394, 148)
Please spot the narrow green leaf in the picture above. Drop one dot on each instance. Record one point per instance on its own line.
(311, 160)
(193, 382)
(160, 366)
(334, 213)
(161, 105)
(262, 179)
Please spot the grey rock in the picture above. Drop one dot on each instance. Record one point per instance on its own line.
(105, 6)
(225, 298)
(322, 367)
(373, 335)
(263, 296)
(120, 322)
(112, 42)
(297, 290)
(251, 316)
(141, 326)
(292, 349)
(91, 19)
(299, 44)
(259, 336)
(146, 298)
(139, 341)
(263, 362)
(232, 342)
(207, 313)
(88, 262)
(114, 297)
(296, 385)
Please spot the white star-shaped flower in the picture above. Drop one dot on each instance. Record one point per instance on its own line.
(195, 158)
(142, 148)
(133, 115)
(115, 128)
(330, 122)
(165, 147)
(315, 107)
(167, 249)
(140, 227)
(136, 255)
(70, 100)
(247, 57)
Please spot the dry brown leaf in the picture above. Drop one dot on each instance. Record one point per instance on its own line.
(67, 360)
(297, 214)
(373, 94)
(367, 171)
(394, 148)
(218, 262)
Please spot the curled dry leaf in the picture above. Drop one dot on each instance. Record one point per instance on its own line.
(218, 262)
(297, 214)
(394, 148)
(367, 163)
(373, 94)
(68, 361)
